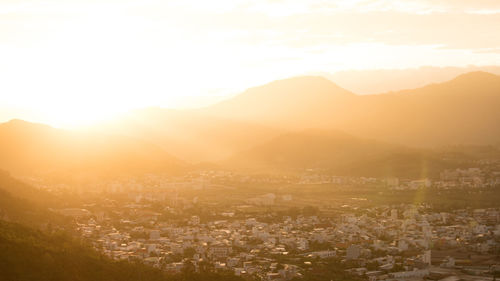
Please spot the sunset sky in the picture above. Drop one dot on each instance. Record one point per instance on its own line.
(70, 63)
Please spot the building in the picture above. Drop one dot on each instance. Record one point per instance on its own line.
(353, 252)
(154, 235)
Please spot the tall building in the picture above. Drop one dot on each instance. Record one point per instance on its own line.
(426, 257)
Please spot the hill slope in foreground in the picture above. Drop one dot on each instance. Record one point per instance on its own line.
(27, 253)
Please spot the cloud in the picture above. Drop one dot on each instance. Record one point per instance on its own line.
(488, 51)
(448, 30)
(465, 5)
(245, 31)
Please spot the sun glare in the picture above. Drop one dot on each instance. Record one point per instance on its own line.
(247, 140)
(78, 117)
(87, 62)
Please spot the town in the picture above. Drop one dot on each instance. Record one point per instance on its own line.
(204, 221)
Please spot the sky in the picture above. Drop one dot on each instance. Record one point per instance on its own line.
(73, 62)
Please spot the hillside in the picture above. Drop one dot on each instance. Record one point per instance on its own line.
(338, 153)
(24, 204)
(17, 209)
(25, 191)
(27, 254)
(29, 148)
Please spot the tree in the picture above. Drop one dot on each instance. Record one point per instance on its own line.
(189, 252)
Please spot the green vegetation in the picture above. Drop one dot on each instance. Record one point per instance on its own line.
(331, 270)
(441, 200)
(26, 212)
(22, 203)
(27, 254)
(25, 191)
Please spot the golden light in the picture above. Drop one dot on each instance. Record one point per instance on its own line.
(73, 64)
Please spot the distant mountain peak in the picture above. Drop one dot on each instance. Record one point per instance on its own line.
(476, 76)
(301, 83)
(305, 79)
(307, 99)
(295, 90)
(16, 121)
(23, 124)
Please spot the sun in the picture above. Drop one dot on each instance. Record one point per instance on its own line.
(78, 117)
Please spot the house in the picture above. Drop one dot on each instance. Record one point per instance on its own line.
(353, 252)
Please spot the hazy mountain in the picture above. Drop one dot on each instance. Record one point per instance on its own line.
(460, 111)
(192, 135)
(29, 148)
(376, 81)
(463, 110)
(253, 117)
(300, 102)
(338, 153)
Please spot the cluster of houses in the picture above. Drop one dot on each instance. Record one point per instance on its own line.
(457, 178)
(402, 242)
(450, 179)
(485, 175)
(471, 177)
(397, 242)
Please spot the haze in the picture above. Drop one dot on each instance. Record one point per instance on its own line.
(249, 140)
(73, 63)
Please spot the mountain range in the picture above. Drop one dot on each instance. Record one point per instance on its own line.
(296, 123)
(460, 111)
(385, 80)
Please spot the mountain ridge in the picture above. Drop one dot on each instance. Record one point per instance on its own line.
(461, 111)
(337, 153)
(36, 148)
